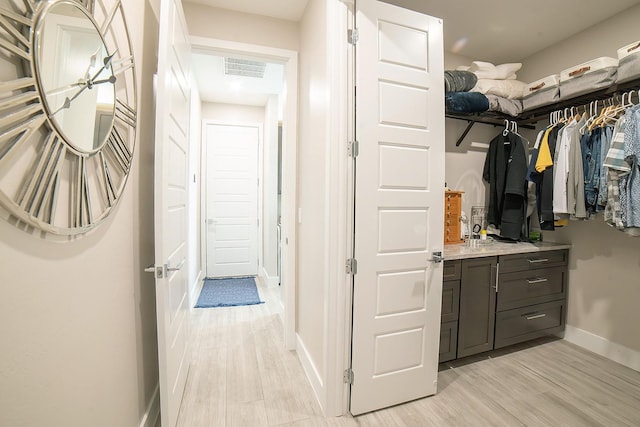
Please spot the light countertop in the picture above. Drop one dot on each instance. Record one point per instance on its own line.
(495, 248)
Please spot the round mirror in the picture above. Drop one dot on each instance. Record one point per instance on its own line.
(74, 71)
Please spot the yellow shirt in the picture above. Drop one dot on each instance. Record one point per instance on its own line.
(544, 153)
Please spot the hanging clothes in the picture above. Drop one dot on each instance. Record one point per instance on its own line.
(543, 177)
(616, 167)
(505, 169)
(575, 177)
(630, 183)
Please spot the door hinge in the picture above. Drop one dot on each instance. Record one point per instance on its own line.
(347, 376)
(351, 266)
(353, 36)
(353, 149)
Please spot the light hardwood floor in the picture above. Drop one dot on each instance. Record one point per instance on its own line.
(242, 376)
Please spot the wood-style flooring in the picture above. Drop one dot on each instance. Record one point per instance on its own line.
(242, 376)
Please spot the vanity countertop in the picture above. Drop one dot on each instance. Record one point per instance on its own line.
(495, 248)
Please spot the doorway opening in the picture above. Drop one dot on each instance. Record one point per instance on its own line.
(256, 89)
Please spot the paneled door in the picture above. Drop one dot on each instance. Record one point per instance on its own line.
(232, 199)
(170, 206)
(399, 210)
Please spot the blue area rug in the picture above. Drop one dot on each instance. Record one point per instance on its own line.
(228, 293)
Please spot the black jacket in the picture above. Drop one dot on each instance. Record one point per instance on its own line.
(505, 169)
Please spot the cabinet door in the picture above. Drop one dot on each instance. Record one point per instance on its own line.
(477, 306)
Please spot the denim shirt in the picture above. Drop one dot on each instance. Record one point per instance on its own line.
(630, 183)
(591, 162)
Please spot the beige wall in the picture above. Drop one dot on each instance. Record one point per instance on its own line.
(605, 267)
(77, 319)
(232, 113)
(312, 146)
(603, 39)
(204, 21)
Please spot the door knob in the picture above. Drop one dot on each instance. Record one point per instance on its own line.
(437, 257)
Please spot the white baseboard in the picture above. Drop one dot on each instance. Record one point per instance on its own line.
(602, 346)
(197, 287)
(150, 417)
(312, 374)
(270, 281)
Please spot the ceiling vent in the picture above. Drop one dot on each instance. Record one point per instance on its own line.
(243, 67)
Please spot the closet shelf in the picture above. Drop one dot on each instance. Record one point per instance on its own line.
(528, 119)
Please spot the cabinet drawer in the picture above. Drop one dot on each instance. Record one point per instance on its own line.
(451, 270)
(530, 287)
(531, 261)
(526, 323)
(448, 341)
(450, 300)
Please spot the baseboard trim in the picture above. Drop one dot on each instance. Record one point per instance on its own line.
(602, 346)
(150, 417)
(197, 287)
(312, 373)
(270, 281)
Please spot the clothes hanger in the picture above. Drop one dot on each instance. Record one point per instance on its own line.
(505, 132)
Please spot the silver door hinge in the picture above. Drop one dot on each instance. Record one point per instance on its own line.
(347, 376)
(353, 36)
(351, 266)
(353, 149)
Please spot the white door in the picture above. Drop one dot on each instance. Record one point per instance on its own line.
(170, 207)
(232, 200)
(399, 206)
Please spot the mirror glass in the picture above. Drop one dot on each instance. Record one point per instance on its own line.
(75, 75)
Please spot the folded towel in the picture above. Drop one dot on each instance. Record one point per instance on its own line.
(512, 89)
(466, 102)
(459, 81)
(512, 107)
(486, 70)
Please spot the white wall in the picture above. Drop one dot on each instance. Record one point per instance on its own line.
(270, 192)
(77, 319)
(604, 263)
(195, 197)
(313, 120)
(204, 21)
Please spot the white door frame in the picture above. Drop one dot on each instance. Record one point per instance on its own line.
(205, 179)
(289, 168)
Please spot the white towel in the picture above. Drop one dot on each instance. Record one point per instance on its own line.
(486, 70)
(512, 89)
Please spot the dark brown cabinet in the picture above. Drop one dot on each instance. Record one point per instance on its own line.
(532, 295)
(477, 305)
(449, 313)
(496, 301)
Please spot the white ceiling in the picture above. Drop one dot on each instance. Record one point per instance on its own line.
(501, 31)
(497, 31)
(290, 10)
(215, 86)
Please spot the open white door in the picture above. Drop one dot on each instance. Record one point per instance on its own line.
(232, 200)
(170, 208)
(399, 206)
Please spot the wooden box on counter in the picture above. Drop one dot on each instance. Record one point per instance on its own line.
(452, 212)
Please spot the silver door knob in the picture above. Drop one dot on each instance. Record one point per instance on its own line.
(437, 257)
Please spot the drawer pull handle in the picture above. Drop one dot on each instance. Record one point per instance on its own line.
(537, 261)
(537, 280)
(538, 316)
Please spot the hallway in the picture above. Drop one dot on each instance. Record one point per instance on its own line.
(241, 374)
